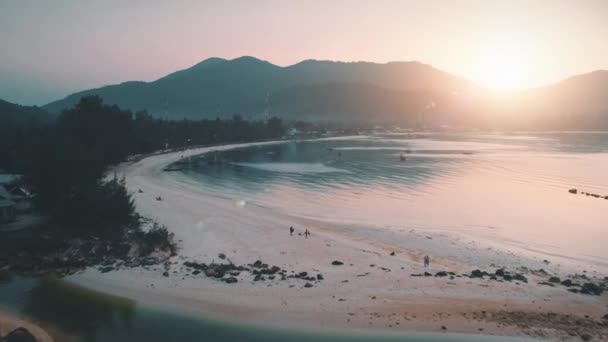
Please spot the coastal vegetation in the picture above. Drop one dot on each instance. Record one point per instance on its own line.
(65, 160)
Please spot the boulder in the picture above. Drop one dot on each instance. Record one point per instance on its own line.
(554, 280)
(257, 264)
(165, 274)
(106, 269)
(573, 191)
(500, 272)
(392, 253)
(230, 280)
(476, 274)
(441, 274)
(319, 276)
(508, 277)
(520, 277)
(308, 285)
(591, 289)
(20, 335)
(427, 274)
(337, 263)
(567, 282)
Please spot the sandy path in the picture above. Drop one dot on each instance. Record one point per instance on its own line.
(371, 290)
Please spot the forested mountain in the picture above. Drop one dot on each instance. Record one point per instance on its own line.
(255, 88)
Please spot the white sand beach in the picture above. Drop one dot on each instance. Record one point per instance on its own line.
(371, 290)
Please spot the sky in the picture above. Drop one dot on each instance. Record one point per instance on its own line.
(51, 48)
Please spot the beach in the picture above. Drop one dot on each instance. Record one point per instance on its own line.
(370, 288)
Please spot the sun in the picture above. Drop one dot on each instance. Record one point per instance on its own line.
(503, 68)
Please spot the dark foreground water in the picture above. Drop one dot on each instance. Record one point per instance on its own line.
(84, 315)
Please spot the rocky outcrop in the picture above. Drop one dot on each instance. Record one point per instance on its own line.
(260, 271)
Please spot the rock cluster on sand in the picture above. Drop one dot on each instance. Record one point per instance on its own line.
(575, 191)
(259, 270)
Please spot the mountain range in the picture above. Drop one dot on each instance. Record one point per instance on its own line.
(408, 93)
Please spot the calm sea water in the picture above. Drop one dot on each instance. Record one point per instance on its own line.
(81, 315)
(507, 189)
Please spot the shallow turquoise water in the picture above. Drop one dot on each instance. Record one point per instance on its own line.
(93, 317)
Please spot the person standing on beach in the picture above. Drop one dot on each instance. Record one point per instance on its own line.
(427, 261)
(291, 231)
(306, 233)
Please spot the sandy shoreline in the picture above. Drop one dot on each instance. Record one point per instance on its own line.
(372, 290)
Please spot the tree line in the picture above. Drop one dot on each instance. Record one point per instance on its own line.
(65, 160)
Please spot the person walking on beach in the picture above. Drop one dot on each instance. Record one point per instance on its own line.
(291, 231)
(427, 261)
(306, 233)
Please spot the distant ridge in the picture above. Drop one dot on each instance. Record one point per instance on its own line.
(320, 90)
(249, 86)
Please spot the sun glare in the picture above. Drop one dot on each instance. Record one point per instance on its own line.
(503, 68)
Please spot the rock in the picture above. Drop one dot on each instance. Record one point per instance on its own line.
(257, 264)
(231, 280)
(476, 274)
(605, 317)
(308, 285)
(591, 289)
(221, 256)
(554, 280)
(441, 274)
(20, 335)
(444, 328)
(586, 337)
(165, 274)
(520, 277)
(574, 290)
(573, 191)
(195, 272)
(319, 276)
(337, 263)
(508, 277)
(106, 269)
(427, 274)
(546, 284)
(567, 282)
(500, 272)
(392, 253)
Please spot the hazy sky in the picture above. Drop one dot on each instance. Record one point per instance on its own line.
(49, 48)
